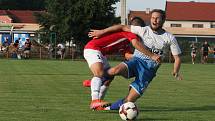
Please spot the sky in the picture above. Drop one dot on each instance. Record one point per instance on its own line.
(143, 4)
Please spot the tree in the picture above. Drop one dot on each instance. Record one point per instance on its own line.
(74, 18)
(22, 4)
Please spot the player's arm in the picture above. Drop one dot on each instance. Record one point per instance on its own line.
(139, 46)
(209, 49)
(115, 28)
(176, 68)
(128, 55)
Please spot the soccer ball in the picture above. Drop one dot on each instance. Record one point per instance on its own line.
(128, 111)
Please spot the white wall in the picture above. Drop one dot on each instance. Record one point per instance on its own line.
(188, 24)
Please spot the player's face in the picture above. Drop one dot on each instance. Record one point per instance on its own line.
(156, 21)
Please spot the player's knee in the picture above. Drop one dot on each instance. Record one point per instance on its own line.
(99, 74)
(107, 83)
(114, 71)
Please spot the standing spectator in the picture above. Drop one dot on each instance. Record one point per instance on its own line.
(16, 43)
(205, 49)
(14, 48)
(61, 50)
(27, 48)
(193, 52)
(214, 53)
(50, 50)
(6, 47)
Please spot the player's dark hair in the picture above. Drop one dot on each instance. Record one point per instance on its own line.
(163, 13)
(137, 21)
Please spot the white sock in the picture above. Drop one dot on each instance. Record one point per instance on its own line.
(96, 83)
(103, 90)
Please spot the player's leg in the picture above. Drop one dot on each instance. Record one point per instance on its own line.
(95, 61)
(194, 58)
(104, 88)
(144, 73)
(120, 69)
(96, 81)
(107, 79)
(131, 97)
(206, 58)
(191, 56)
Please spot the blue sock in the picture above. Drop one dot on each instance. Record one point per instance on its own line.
(117, 104)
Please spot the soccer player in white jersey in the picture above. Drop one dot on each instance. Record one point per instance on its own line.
(143, 68)
(94, 53)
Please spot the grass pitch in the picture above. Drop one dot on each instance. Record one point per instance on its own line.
(42, 90)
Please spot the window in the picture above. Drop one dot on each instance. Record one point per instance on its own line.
(212, 25)
(175, 25)
(197, 25)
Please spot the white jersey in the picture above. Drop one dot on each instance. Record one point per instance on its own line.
(61, 46)
(156, 43)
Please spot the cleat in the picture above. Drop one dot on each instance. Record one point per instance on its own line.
(98, 104)
(104, 107)
(87, 83)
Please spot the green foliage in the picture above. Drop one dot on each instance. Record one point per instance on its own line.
(22, 5)
(74, 18)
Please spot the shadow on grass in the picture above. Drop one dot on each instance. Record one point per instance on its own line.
(202, 108)
(153, 119)
(46, 74)
(140, 119)
(161, 109)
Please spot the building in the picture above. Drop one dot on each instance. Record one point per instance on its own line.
(145, 15)
(16, 24)
(194, 21)
(191, 20)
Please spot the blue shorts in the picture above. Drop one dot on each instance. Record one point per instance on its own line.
(143, 71)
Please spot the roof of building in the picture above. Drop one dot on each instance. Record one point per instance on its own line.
(190, 11)
(20, 16)
(142, 14)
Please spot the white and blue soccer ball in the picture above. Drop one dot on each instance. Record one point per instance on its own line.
(128, 111)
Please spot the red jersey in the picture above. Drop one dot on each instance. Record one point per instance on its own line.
(111, 43)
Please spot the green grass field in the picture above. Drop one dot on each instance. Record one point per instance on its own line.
(35, 90)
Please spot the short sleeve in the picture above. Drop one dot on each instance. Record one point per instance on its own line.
(138, 30)
(175, 49)
(130, 36)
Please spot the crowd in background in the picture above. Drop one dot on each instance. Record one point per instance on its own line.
(205, 50)
(18, 51)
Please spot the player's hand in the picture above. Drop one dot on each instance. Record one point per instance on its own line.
(156, 58)
(95, 33)
(177, 76)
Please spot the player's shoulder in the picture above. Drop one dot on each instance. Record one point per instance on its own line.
(168, 35)
(127, 33)
(139, 28)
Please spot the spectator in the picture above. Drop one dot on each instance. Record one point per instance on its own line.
(214, 53)
(50, 50)
(27, 48)
(6, 47)
(16, 43)
(61, 50)
(193, 52)
(14, 48)
(205, 49)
